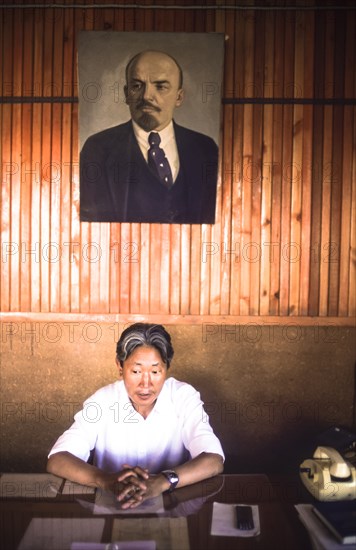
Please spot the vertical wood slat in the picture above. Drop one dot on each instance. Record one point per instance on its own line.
(306, 174)
(347, 215)
(327, 176)
(16, 134)
(7, 163)
(293, 251)
(280, 182)
(247, 163)
(286, 163)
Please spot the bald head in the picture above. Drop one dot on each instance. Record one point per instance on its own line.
(153, 89)
(154, 54)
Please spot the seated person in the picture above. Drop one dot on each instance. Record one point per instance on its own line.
(149, 433)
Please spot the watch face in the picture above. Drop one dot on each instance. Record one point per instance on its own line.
(172, 477)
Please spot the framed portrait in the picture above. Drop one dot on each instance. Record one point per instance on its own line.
(149, 126)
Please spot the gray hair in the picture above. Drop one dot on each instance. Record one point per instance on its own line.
(144, 334)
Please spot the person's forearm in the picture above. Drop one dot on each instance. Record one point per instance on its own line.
(201, 467)
(68, 466)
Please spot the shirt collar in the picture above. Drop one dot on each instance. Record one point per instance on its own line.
(142, 136)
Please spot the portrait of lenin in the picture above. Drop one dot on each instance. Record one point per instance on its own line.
(150, 168)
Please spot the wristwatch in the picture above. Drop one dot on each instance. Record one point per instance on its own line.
(172, 478)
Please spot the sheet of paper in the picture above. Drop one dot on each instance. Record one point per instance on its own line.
(34, 486)
(59, 533)
(131, 545)
(71, 488)
(224, 521)
(319, 533)
(169, 533)
(106, 503)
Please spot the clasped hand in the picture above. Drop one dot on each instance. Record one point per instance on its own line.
(133, 485)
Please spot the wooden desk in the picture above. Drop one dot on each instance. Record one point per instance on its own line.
(280, 526)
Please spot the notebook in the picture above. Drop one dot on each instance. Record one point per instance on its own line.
(340, 518)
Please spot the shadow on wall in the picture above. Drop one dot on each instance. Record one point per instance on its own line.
(268, 393)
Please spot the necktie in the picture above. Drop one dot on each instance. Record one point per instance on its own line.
(157, 160)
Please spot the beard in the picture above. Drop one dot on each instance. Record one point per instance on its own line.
(147, 122)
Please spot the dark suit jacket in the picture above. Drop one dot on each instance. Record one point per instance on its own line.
(116, 184)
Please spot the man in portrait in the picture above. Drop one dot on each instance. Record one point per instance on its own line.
(149, 169)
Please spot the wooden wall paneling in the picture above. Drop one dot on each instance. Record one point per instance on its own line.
(66, 163)
(115, 255)
(281, 182)
(179, 21)
(45, 206)
(210, 21)
(234, 242)
(56, 162)
(8, 246)
(335, 207)
(108, 18)
(7, 162)
(17, 46)
(227, 213)
(129, 19)
(155, 268)
(352, 291)
(147, 17)
(84, 268)
(294, 172)
(237, 167)
(247, 162)
(252, 253)
(190, 260)
(337, 174)
(105, 268)
(317, 166)
(327, 167)
(125, 265)
(267, 160)
(55, 209)
(246, 212)
(325, 240)
(26, 165)
(276, 169)
(306, 174)
(53, 172)
(118, 20)
(89, 16)
(36, 161)
(344, 257)
(164, 20)
(165, 264)
(206, 237)
(92, 255)
(175, 281)
(348, 155)
(133, 257)
(143, 253)
(75, 257)
(286, 161)
(76, 252)
(221, 231)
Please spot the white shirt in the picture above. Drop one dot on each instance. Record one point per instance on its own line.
(176, 429)
(168, 144)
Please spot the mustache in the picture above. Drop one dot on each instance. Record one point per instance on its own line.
(142, 104)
